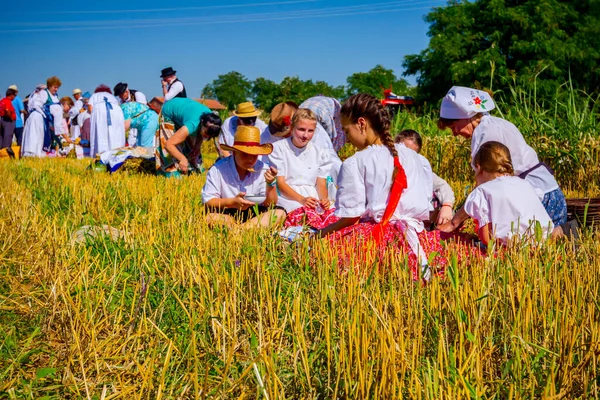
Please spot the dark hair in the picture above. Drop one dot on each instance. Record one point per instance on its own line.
(410, 134)
(102, 88)
(370, 107)
(209, 118)
(11, 92)
(494, 157)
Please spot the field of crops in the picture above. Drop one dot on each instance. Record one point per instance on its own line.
(171, 309)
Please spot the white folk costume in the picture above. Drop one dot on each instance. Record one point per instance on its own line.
(107, 124)
(512, 207)
(223, 181)
(45, 115)
(464, 103)
(301, 167)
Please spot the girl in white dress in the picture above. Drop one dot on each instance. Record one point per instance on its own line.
(107, 122)
(303, 169)
(505, 206)
(45, 120)
(383, 197)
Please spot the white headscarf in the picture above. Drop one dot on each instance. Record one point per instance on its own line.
(463, 103)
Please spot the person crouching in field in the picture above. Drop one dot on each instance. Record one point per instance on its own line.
(443, 196)
(303, 169)
(506, 207)
(107, 122)
(384, 195)
(242, 175)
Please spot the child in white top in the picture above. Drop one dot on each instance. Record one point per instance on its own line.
(364, 189)
(302, 167)
(505, 207)
(236, 184)
(443, 194)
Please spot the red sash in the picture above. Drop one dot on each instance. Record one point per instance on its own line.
(398, 186)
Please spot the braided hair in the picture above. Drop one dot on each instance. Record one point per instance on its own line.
(370, 108)
(494, 157)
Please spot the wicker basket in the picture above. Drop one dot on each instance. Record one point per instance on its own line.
(584, 210)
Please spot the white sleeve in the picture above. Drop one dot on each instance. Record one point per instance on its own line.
(324, 164)
(226, 135)
(351, 199)
(174, 90)
(141, 98)
(277, 160)
(212, 187)
(478, 208)
(443, 191)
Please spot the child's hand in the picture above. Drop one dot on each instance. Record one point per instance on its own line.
(310, 202)
(270, 175)
(241, 203)
(325, 204)
(446, 227)
(444, 215)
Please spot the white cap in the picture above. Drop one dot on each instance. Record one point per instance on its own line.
(463, 103)
(77, 91)
(14, 87)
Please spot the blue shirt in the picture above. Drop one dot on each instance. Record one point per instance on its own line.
(19, 108)
(185, 112)
(139, 114)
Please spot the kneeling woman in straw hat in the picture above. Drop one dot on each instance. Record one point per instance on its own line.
(240, 188)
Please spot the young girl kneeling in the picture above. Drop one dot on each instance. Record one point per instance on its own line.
(303, 169)
(505, 206)
(240, 188)
(384, 193)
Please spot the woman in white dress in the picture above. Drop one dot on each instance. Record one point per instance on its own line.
(45, 119)
(107, 122)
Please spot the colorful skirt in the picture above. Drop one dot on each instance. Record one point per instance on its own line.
(556, 206)
(310, 217)
(353, 246)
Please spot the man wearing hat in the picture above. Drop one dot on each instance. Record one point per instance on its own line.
(245, 114)
(122, 91)
(236, 185)
(74, 112)
(172, 87)
(21, 112)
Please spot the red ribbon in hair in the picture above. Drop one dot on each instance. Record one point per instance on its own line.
(400, 183)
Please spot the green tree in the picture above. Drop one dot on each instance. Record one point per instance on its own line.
(495, 43)
(230, 89)
(374, 81)
(265, 93)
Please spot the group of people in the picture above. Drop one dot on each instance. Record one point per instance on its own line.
(288, 171)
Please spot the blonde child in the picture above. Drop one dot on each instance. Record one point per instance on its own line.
(505, 206)
(231, 181)
(384, 192)
(66, 103)
(303, 169)
(443, 196)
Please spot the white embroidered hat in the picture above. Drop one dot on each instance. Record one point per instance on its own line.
(463, 102)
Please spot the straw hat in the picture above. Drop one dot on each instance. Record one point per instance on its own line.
(281, 117)
(246, 110)
(247, 140)
(77, 91)
(463, 103)
(14, 87)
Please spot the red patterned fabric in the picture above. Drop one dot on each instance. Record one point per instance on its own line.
(308, 216)
(354, 247)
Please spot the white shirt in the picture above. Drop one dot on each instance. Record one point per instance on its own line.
(230, 125)
(300, 167)
(523, 156)
(510, 204)
(76, 109)
(223, 181)
(365, 182)
(37, 102)
(174, 90)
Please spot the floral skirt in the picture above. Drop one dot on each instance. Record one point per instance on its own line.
(354, 247)
(556, 206)
(310, 217)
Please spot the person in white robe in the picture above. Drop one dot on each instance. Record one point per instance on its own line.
(107, 122)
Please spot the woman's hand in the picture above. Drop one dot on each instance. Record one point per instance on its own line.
(270, 175)
(444, 215)
(241, 203)
(309, 202)
(184, 165)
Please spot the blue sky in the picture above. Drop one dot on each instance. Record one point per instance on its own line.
(88, 43)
